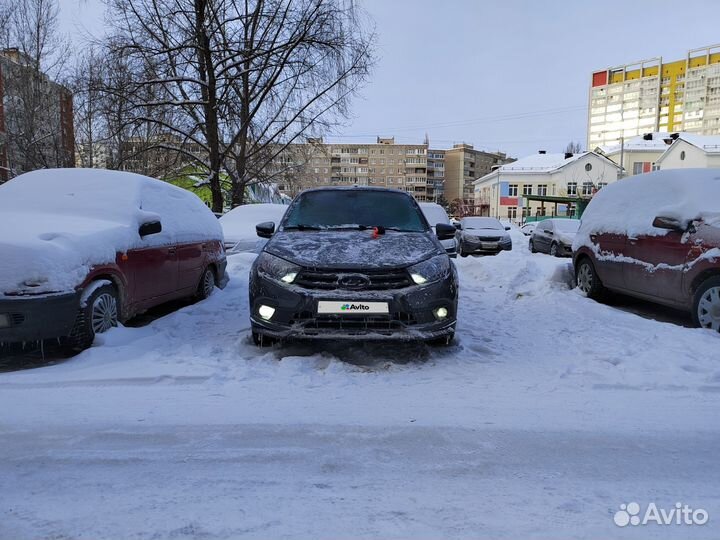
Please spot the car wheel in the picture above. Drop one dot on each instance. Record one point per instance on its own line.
(206, 285)
(532, 247)
(443, 341)
(261, 340)
(706, 304)
(98, 315)
(588, 281)
(461, 250)
(554, 250)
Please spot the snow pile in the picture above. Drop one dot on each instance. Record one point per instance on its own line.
(56, 224)
(239, 223)
(630, 206)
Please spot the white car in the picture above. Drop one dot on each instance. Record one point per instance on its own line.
(435, 214)
(528, 228)
(239, 225)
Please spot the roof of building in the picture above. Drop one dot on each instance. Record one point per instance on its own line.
(708, 143)
(541, 164)
(658, 143)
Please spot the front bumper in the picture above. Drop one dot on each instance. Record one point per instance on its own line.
(36, 318)
(485, 246)
(411, 312)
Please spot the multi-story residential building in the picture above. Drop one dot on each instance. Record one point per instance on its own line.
(464, 164)
(384, 163)
(500, 193)
(436, 175)
(36, 118)
(653, 96)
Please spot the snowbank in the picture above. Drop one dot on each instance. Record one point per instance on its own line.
(56, 224)
(630, 206)
(239, 223)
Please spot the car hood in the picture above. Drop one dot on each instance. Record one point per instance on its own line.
(486, 233)
(352, 249)
(566, 237)
(41, 255)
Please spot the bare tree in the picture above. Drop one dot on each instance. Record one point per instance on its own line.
(37, 130)
(243, 78)
(573, 148)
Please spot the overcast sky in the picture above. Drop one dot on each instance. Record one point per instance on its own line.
(506, 75)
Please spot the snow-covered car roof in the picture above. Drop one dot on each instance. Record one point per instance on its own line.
(56, 224)
(629, 207)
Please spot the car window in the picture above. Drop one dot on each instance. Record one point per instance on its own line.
(435, 214)
(482, 223)
(567, 225)
(352, 208)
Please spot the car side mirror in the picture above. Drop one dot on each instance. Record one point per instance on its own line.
(444, 231)
(458, 226)
(151, 227)
(507, 227)
(669, 223)
(265, 229)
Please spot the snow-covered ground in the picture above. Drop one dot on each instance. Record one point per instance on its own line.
(548, 412)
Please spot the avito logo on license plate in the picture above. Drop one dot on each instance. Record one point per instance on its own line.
(326, 306)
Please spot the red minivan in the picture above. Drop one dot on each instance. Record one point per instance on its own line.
(655, 236)
(84, 249)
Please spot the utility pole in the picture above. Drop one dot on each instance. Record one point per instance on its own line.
(622, 158)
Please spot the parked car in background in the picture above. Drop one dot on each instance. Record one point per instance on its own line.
(528, 228)
(84, 249)
(554, 236)
(435, 214)
(482, 236)
(353, 263)
(239, 225)
(655, 236)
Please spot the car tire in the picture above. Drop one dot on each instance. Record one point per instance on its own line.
(443, 341)
(206, 285)
(262, 341)
(554, 250)
(461, 250)
(706, 304)
(532, 247)
(99, 314)
(588, 281)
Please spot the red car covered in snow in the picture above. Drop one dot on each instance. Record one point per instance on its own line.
(85, 249)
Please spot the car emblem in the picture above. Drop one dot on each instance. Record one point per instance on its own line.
(354, 281)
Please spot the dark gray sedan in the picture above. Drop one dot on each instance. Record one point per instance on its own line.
(482, 236)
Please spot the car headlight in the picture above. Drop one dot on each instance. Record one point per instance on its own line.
(276, 268)
(431, 270)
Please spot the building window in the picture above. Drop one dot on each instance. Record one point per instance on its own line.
(527, 189)
(572, 188)
(542, 190)
(587, 188)
(513, 190)
(637, 167)
(588, 167)
(512, 212)
(601, 185)
(682, 155)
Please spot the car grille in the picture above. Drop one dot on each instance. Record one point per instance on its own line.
(489, 238)
(353, 324)
(369, 280)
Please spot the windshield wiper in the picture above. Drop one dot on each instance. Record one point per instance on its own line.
(301, 227)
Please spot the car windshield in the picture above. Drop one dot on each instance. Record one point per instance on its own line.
(339, 209)
(435, 215)
(567, 225)
(482, 223)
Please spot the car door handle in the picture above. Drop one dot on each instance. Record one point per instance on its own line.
(172, 250)
(632, 240)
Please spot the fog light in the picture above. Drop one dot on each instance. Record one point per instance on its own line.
(441, 313)
(289, 278)
(418, 279)
(266, 312)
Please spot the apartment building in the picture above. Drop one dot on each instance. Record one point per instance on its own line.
(384, 163)
(436, 175)
(36, 118)
(654, 96)
(463, 165)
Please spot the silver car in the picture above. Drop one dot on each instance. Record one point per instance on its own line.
(482, 236)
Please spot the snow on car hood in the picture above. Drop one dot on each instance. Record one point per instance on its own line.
(52, 253)
(344, 249)
(565, 237)
(487, 233)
